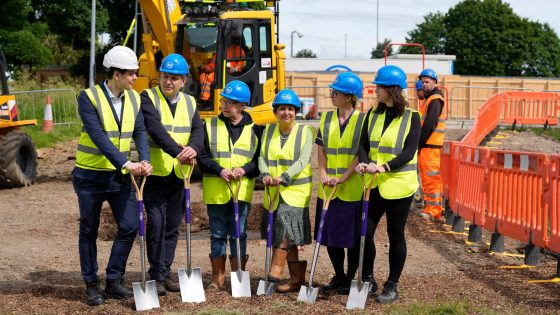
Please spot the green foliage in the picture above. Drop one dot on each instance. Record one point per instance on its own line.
(488, 38)
(305, 53)
(120, 16)
(378, 51)
(553, 133)
(49, 140)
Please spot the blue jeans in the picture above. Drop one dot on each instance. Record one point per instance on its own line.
(222, 225)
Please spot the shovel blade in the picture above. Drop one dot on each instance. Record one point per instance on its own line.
(307, 295)
(145, 298)
(192, 290)
(266, 288)
(240, 284)
(358, 296)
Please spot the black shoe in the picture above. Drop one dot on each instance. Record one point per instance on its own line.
(334, 284)
(373, 287)
(170, 285)
(389, 293)
(160, 287)
(344, 286)
(93, 293)
(114, 289)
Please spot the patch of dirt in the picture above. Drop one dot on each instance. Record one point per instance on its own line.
(523, 141)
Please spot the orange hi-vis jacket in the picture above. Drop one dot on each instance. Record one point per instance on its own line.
(437, 137)
(207, 77)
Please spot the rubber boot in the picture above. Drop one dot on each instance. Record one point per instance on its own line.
(218, 273)
(297, 276)
(233, 262)
(277, 264)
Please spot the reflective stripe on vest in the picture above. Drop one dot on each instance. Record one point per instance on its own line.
(438, 136)
(178, 126)
(280, 158)
(403, 181)
(341, 151)
(206, 81)
(230, 156)
(88, 156)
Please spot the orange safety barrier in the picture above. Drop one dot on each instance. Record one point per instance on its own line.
(531, 108)
(470, 197)
(554, 203)
(515, 188)
(368, 93)
(486, 120)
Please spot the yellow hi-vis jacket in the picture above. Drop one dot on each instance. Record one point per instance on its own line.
(280, 158)
(341, 151)
(88, 155)
(403, 181)
(437, 137)
(178, 127)
(230, 156)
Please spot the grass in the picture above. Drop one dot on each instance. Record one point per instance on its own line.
(461, 307)
(48, 140)
(550, 132)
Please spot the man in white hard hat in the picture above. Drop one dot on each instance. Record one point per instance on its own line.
(111, 117)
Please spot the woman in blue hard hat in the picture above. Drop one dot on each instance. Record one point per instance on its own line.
(388, 148)
(231, 149)
(176, 134)
(337, 141)
(285, 164)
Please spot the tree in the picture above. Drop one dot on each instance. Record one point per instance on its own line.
(378, 52)
(305, 53)
(430, 33)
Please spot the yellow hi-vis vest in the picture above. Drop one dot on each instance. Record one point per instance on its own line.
(280, 158)
(88, 156)
(178, 127)
(230, 156)
(341, 151)
(403, 181)
(437, 137)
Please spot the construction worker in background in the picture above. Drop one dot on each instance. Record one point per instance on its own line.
(418, 200)
(431, 142)
(234, 51)
(337, 140)
(111, 117)
(176, 135)
(388, 148)
(287, 141)
(419, 92)
(230, 152)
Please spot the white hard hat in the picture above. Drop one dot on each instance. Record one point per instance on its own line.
(120, 57)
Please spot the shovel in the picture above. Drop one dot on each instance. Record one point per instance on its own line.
(145, 292)
(265, 286)
(190, 279)
(306, 294)
(358, 289)
(240, 281)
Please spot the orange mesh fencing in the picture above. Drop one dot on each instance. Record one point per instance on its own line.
(554, 202)
(530, 108)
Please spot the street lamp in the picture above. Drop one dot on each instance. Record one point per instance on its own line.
(300, 35)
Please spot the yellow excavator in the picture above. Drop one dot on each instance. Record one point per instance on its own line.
(18, 158)
(204, 32)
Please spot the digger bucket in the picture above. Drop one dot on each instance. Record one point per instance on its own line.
(190, 279)
(145, 292)
(359, 290)
(267, 287)
(309, 294)
(240, 281)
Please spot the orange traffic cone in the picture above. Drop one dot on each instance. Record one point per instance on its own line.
(48, 124)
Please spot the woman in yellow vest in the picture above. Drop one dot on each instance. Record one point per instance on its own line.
(284, 163)
(388, 148)
(338, 140)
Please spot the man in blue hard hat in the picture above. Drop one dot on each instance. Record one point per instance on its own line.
(176, 136)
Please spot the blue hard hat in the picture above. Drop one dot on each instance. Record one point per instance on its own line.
(418, 85)
(286, 97)
(174, 64)
(390, 75)
(348, 83)
(430, 73)
(237, 91)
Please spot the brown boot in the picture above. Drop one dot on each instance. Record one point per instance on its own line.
(218, 273)
(277, 264)
(297, 276)
(233, 262)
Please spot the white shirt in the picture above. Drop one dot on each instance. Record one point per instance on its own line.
(116, 101)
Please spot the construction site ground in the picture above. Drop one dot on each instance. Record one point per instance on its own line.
(40, 270)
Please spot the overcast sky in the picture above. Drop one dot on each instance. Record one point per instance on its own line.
(325, 23)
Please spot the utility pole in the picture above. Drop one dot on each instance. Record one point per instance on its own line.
(345, 44)
(92, 46)
(377, 27)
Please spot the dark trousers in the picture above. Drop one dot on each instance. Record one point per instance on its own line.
(397, 214)
(121, 198)
(164, 202)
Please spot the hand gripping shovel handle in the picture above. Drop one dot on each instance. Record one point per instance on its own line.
(187, 185)
(140, 209)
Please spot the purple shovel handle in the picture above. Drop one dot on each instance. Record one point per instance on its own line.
(236, 213)
(364, 216)
(187, 205)
(269, 229)
(140, 206)
(322, 222)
